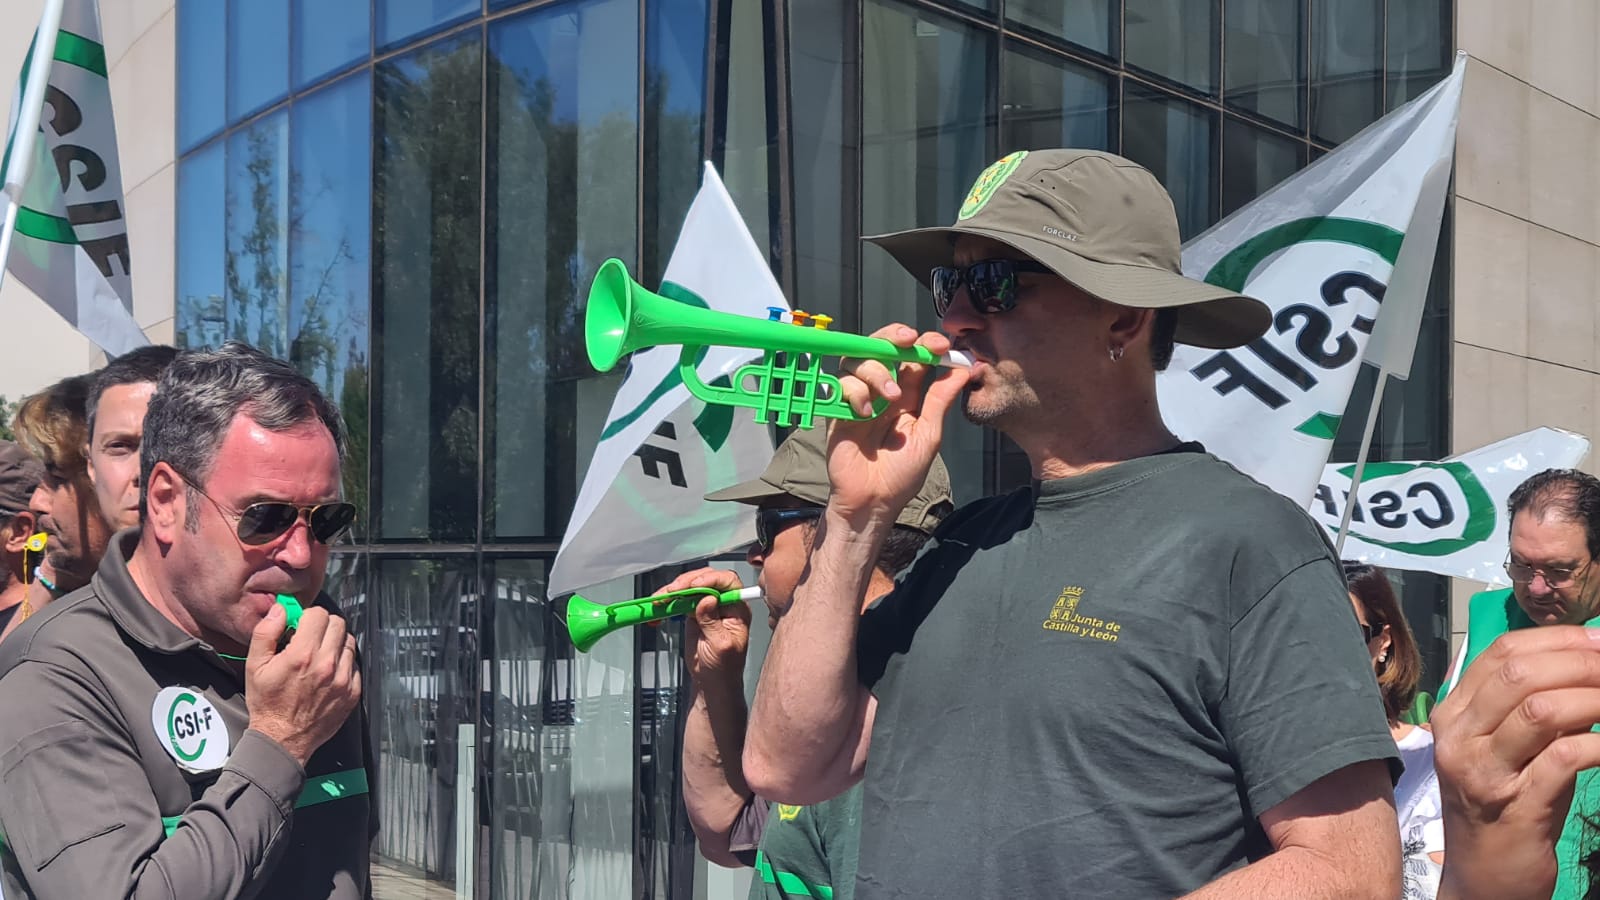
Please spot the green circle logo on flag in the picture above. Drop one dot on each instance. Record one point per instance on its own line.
(190, 729)
(988, 182)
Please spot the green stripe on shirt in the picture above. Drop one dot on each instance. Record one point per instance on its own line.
(790, 884)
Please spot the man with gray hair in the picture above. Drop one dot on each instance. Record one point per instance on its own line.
(199, 749)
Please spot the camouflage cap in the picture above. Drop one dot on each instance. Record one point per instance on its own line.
(799, 469)
(20, 475)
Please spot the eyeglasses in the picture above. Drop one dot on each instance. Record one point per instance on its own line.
(771, 521)
(1554, 576)
(264, 522)
(991, 284)
(1370, 630)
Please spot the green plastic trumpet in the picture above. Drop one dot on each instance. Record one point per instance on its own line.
(588, 621)
(787, 387)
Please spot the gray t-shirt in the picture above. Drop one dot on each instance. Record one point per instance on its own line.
(1093, 687)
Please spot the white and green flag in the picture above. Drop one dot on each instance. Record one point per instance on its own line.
(65, 232)
(1447, 517)
(1329, 249)
(641, 505)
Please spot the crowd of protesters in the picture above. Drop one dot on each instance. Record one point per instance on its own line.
(1143, 675)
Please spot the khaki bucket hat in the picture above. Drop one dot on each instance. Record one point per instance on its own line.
(799, 469)
(1101, 222)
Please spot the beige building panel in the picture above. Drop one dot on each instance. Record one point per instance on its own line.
(144, 95)
(1563, 38)
(1562, 174)
(1561, 397)
(1493, 142)
(1491, 279)
(124, 22)
(1561, 298)
(1498, 32)
(151, 240)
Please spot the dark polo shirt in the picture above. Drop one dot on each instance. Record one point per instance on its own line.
(126, 769)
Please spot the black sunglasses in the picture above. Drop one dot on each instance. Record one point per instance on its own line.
(264, 522)
(1370, 630)
(991, 284)
(771, 521)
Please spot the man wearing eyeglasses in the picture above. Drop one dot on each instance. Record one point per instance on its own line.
(1555, 535)
(1134, 678)
(164, 735)
(795, 850)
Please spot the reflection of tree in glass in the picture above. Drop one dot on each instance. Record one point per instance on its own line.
(253, 266)
(564, 199)
(257, 291)
(426, 206)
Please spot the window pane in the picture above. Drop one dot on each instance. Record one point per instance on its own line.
(1346, 67)
(927, 131)
(674, 96)
(202, 248)
(422, 692)
(426, 210)
(1419, 47)
(825, 245)
(402, 19)
(1049, 102)
(331, 261)
(1176, 39)
(1173, 139)
(258, 54)
(562, 142)
(202, 72)
(329, 35)
(1087, 23)
(1266, 58)
(533, 689)
(256, 267)
(1253, 160)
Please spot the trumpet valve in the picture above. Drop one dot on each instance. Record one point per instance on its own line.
(774, 314)
(820, 321)
(800, 317)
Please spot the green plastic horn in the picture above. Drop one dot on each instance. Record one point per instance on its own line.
(588, 621)
(787, 387)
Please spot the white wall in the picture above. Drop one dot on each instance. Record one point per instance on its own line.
(140, 40)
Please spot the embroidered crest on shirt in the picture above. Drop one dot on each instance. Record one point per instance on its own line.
(1065, 618)
(786, 813)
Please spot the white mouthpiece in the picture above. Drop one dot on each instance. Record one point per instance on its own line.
(959, 359)
(750, 593)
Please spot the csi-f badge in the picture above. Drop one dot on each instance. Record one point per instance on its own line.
(190, 729)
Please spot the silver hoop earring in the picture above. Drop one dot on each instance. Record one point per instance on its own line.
(1116, 352)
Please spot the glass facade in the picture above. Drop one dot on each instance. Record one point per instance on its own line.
(408, 200)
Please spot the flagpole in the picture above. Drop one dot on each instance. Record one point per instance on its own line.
(34, 82)
(1361, 461)
(6, 231)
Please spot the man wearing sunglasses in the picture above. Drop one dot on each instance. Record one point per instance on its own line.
(166, 736)
(1555, 536)
(1134, 678)
(805, 851)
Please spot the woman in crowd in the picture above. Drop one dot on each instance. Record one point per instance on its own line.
(1398, 666)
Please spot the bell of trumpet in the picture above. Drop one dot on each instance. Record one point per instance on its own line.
(786, 387)
(588, 621)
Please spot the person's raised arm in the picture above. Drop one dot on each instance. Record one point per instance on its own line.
(812, 720)
(714, 789)
(1510, 740)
